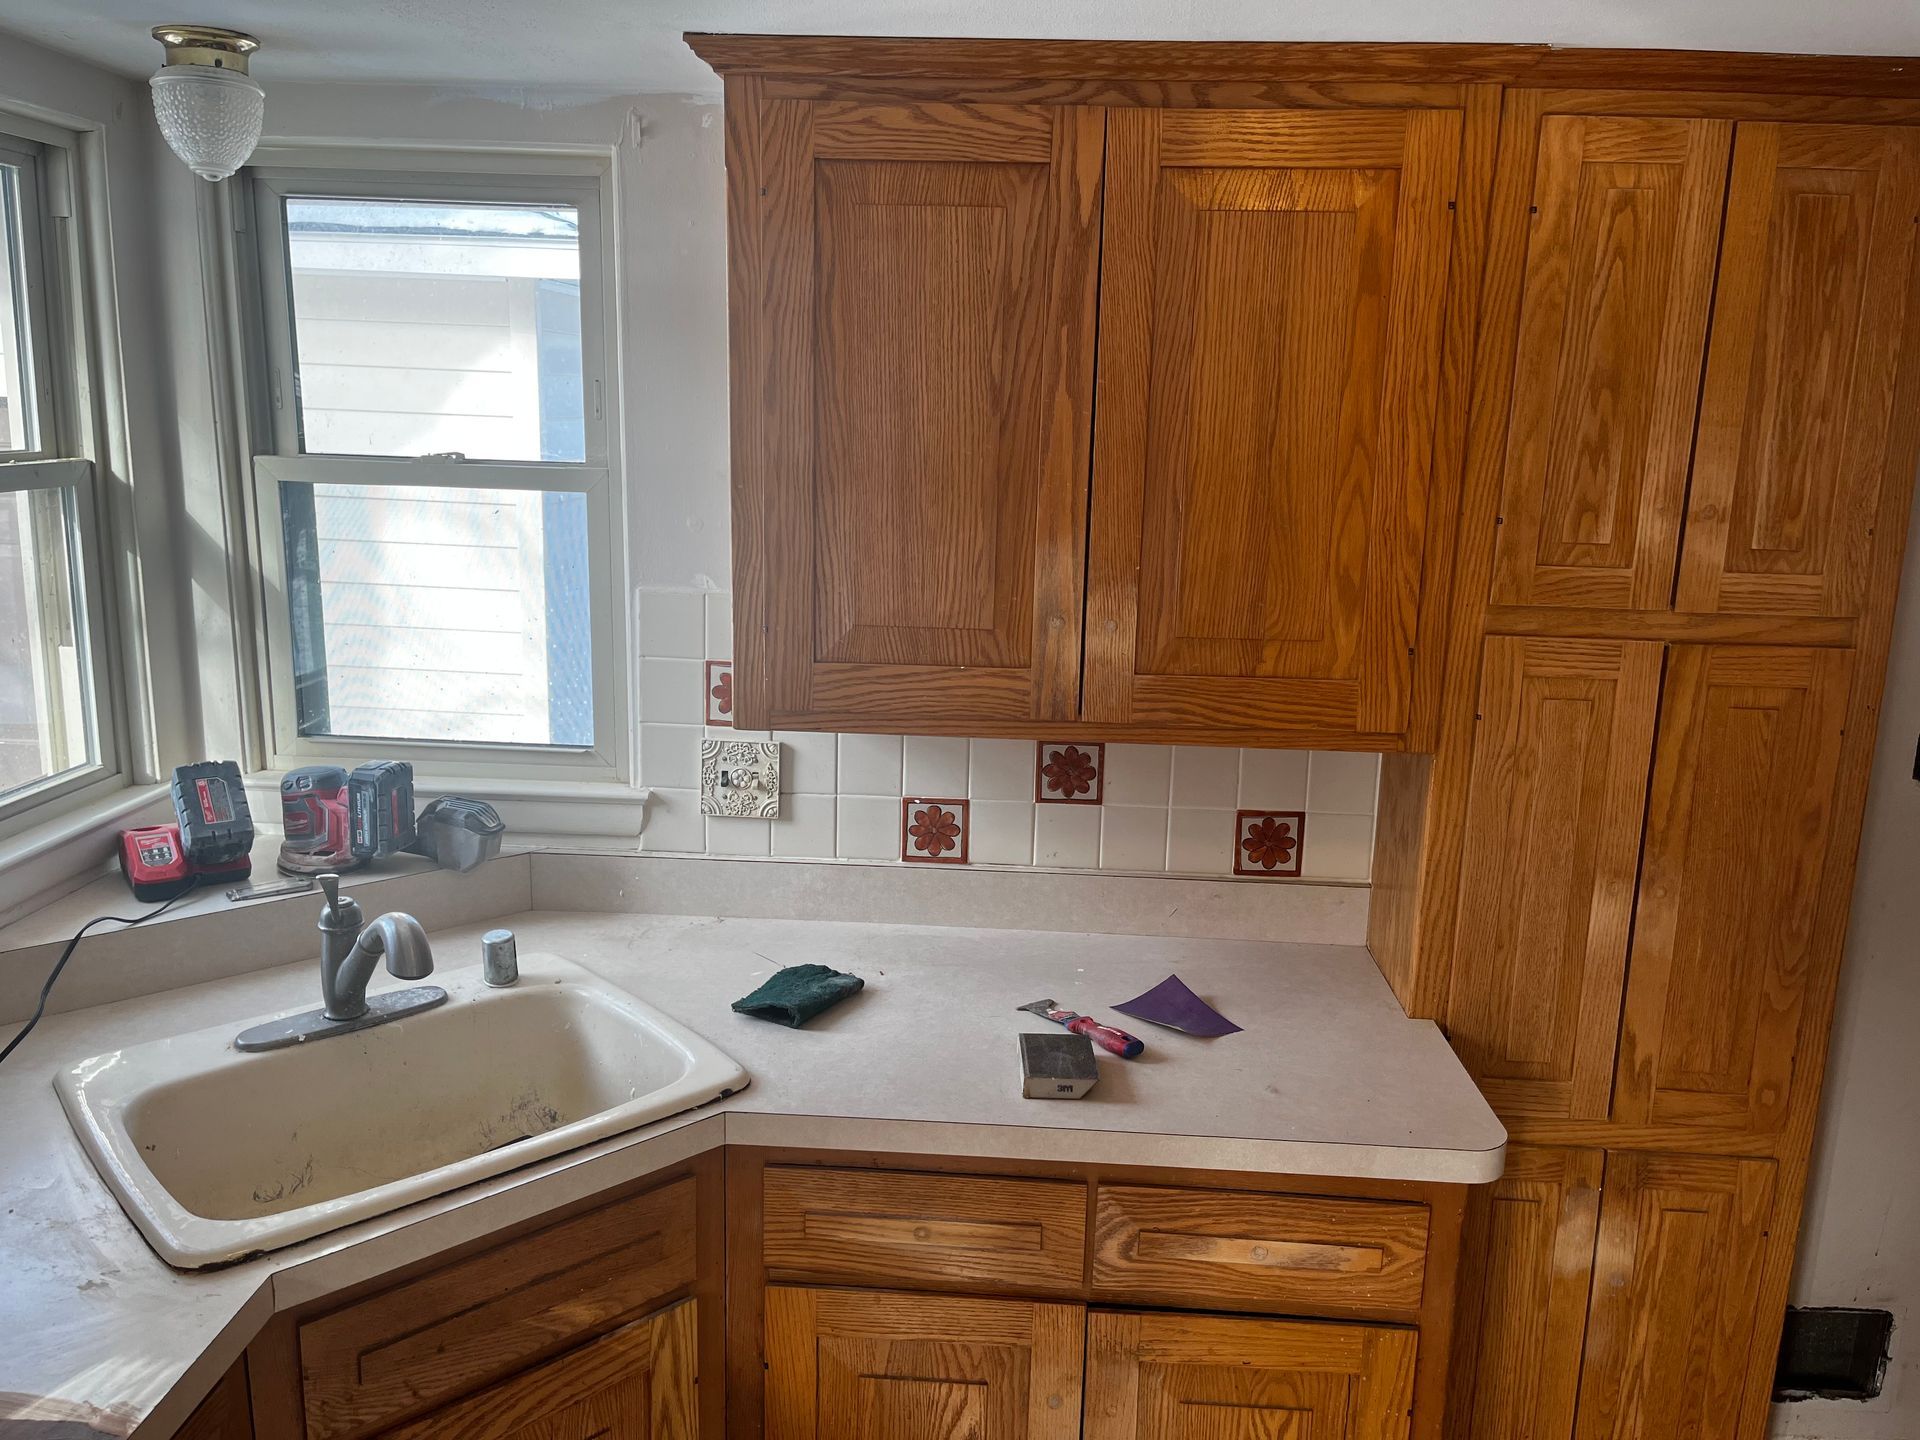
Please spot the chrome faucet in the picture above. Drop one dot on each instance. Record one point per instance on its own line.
(349, 949)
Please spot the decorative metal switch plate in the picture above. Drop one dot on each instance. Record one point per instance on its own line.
(740, 778)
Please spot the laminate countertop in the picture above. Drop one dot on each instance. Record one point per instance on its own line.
(1328, 1077)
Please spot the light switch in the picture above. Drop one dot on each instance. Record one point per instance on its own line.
(740, 778)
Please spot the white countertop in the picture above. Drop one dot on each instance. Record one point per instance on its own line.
(1328, 1078)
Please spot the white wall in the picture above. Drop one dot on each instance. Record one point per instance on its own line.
(1860, 1243)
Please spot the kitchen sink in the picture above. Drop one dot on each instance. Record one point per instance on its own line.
(217, 1154)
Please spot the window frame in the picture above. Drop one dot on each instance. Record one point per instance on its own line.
(64, 362)
(582, 182)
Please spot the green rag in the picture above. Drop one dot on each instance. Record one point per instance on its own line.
(798, 993)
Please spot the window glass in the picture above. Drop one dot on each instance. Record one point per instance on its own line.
(425, 328)
(432, 613)
(46, 722)
(18, 422)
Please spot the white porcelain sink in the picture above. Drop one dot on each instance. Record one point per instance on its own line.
(216, 1154)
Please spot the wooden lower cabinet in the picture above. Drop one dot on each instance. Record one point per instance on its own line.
(639, 1383)
(1169, 1377)
(1624, 1280)
(875, 1365)
(224, 1414)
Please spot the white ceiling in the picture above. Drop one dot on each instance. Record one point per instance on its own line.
(634, 47)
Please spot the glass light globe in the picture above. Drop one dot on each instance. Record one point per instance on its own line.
(211, 118)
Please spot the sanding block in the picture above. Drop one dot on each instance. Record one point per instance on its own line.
(1056, 1067)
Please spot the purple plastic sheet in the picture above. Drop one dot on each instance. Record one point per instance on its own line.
(1172, 1004)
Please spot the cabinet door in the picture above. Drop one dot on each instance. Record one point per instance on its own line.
(1724, 947)
(639, 1383)
(1562, 743)
(1625, 219)
(1816, 273)
(1525, 1267)
(873, 1365)
(1676, 1272)
(1272, 291)
(912, 436)
(225, 1414)
(1152, 1376)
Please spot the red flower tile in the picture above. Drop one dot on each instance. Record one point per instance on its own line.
(719, 692)
(933, 832)
(1068, 774)
(1267, 842)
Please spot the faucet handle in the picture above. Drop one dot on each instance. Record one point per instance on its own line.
(330, 886)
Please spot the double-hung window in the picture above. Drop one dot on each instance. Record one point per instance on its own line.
(438, 525)
(56, 736)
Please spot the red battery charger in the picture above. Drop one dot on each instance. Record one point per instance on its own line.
(211, 838)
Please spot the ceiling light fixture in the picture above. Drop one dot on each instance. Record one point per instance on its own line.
(210, 110)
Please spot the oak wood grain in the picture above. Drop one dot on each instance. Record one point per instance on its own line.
(955, 1232)
(1676, 1267)
(1619, 277)
(1149, 1376)
(445, 1332)
(1738, 822)
(1528, 1268)
(639, 1383)
(1534, 65)
(875, 1365)
(1797, 410)
(226, 1413)
(1225, 1248)
(1561, 754)
(1269, 362)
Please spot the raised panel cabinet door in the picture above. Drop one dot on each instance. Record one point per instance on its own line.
(1272, 296)
(638, 1383)
(1675, 1278)
(1562, 742)
(1817, 272)
(1624, 223)
(1724, 944)
(1526, 1265)
(1173, 1377)
(912, 441)
(875, 1365)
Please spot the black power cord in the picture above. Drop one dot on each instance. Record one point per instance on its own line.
(67, 954)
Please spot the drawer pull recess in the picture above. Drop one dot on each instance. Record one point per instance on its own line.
(1274, 1254)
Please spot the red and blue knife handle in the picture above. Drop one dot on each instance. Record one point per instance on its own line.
(1119, 1042)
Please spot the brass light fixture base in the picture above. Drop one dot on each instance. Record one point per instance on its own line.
(206, 45)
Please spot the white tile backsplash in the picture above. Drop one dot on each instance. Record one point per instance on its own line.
(1138, 774)
(804, 826)
(1342, 783)
(1133, 837)
(870, 765)
(1000, 832)
(1000, 770)
(1165, 808)
(1066, 836)
(868, 828)
(935, 766)
(1206, 777)
(1273, 779)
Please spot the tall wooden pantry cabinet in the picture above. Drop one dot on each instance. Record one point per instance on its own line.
(1544, 419)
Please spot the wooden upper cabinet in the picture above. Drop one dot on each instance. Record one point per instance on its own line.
(1623, 226)
(1172, 1377)
(1816, 277)
(1562, 743)
(1726, 949)
(913, 350)
(1676, 1272)
(1272, 296)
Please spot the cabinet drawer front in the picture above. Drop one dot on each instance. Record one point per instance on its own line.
(446, 1332)
(959, 1230)
(1214, 1247)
